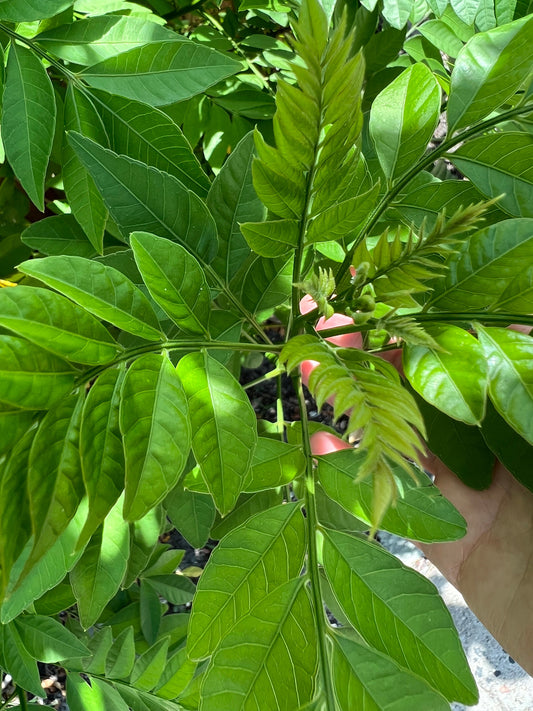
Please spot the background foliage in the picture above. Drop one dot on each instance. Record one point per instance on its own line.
(174, 178)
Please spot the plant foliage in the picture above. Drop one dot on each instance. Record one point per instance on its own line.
(200, 170)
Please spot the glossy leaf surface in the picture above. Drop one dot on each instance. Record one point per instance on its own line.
(403, 119)
(367, 679)
(140, 197)
(500, 165)
(422, 638)
(175, 281)
(28, 119)
(269, 550)
(161, 73)
(453, 379)
(86, 202)
(97, 575)
(102, 290)
(102, 454)
(156, 431)
(482, 272)
(421, 512)
(510, 363)
(148, 135)
(270, 656)
(488, 71)
(56, 324)
(224, 430)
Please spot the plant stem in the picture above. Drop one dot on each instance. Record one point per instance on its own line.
(88, 375)
(213, 21)
(22, 698)
(272, 374)
(424, 162)
(35, 48)
(312, 557)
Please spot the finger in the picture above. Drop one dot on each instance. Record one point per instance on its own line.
(325, 442)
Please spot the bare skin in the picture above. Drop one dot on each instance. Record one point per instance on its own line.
(492, 566)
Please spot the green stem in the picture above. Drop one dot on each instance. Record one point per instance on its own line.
(9, 698)
(35, 48)
(312, 556)
(88, 375)
(424, 162)
(272, 374)
(22, 698)
(438, 317)
(213, 21)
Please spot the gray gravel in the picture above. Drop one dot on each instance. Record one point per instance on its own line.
(503, 684)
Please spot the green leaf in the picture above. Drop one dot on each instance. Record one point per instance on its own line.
(146, 134)
(426, 202)
(420, 513)
(376, 592)
(175, 281)
(232, 200)
(153, 138)
(253, 560)
(57, 600)
(14, 423)
(150, 611)
(15, 660)
(403, 118)
(47, 573)
(94, 39)
(161, 73)
(58, 235)
(460, 447)
(397, 12)
(99, 695)
(274, 464)
(364, 678)
(453, 379)
(48, 640)
(466, 10)
(83, 696)
(30, 10)
(156, 432)
(482, 271)
(15, 522)
(489, 69)
(143, 541)
(332, 515)
(99, 645)
(28, 120)
(270, 656)
(512, 450)
(500, 163)
(175, 588)
(510, 364)
(267, 283)
(274, 238)
(224, 429)
(85, 201)
(102, 290)
(149, 667)
(55, 483)
(247, 505)
(176, 676)
(30, 377)
(97, 575)
(192, 514)
(102, 455)
(121, 656)
(139, 700)
(56, 324)
(138, 195)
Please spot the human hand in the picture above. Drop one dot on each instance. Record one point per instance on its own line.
(492, 566)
